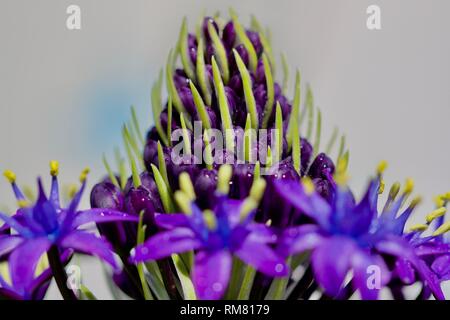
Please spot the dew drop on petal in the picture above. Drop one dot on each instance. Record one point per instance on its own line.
(217, 287)
(279, 268)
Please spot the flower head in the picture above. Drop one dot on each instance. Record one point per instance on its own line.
(46, 224)
(215, 236)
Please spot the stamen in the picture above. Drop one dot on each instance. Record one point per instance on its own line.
(248, 92)
(308, 185)
(198, 101)
(186, 139)
(318, 132)
(208, 151)
(444, 228)
(84, 174)
(171, 89)
(162, 165)
(11, 177)
(270, 91)
(186, 185)
(156, 107)
(435, 214)
(409, 186)
(223, 106)
(242, 36)
(294, 119)
(253, 199)
(285, 72)
(224, 177)
(381, 167)
(162, 190)
(201, 72)
(381, 187)
(54, 168)
(279, 132)
(210, 219)
(183, 202)
(183, 47)
(220, 52)
(418, 227)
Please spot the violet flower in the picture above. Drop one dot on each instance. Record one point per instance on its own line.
(47, 227)
(352, 236)
(215, 236)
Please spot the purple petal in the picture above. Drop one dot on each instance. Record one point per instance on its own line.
(24, 259)
(262, 233)
(432, 249)
(405, 271)
(101, 216)
(8, 243)
(299, 239)
(370, 274)
(442, 266)
(211, 274)
(331, 262)
(90, 244)
(171, 221)
(166, 243)
(313, 205)
(262, 258)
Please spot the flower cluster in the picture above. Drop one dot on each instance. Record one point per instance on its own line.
(199, 219)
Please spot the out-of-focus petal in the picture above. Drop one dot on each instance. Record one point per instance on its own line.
(90, 244)
(8, 243)
(171, 221)
(262, 258)
(166, 243)
(331, 263)
(24, 259)
(299, 239)
(405, 271)
(101, 216)
(211, 273)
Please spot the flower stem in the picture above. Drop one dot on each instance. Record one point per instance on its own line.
(60, 274)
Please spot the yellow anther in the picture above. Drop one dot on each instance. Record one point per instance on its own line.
(54, 168)
(83, 175)
(382, 167)
(186, 185)
(409, 186)
(419, 227)
(10, 176)
(415, 201)
(224, 177)
(394, 190)
(210, 219)
(436, 214)
(269, 222)
(308, 185)
(446, 196)
(257, 189)
(442, 229)
(72, 190)
(22, 203)
(439, 201)
(183, 201)
(381, 187)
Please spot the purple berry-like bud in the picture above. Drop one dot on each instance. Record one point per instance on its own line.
(148, 183)
(284, 170)
(206, 21)
(242, 180)
(205, 187)
(235, 83)
(256, 42)
(322, 167)
(181, 163)
(306, 153)
(151, 154)
(180, 79)
(229, 35)
(107, 195)
(187, 100)
(192, 48)
(324, 188)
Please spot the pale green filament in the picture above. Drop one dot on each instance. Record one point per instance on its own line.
(183, 48)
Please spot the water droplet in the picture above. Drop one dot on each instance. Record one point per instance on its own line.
(279, 268)
(217, 287)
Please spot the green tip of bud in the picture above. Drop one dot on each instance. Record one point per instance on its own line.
(186, 185)
(224, 177)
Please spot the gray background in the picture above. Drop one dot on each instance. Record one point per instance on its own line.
(64, 94)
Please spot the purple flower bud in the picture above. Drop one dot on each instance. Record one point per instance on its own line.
(322, 167)
(187, 100)
(183, 163)
(106, 195)
(229, 35)
(150, 154)
(205, 27)
(242, 53)
(205, 186)
(324, 188)
(242, 180)
(180, 79)
(284, 170)
(212, 117)
(260, 95)
(256, 42)
(192, 48)
(149, 184)
(260, 75)
(306, 153)
(209, 52)
(235, 83)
